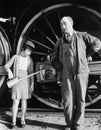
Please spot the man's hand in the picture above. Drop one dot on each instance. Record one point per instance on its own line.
(89, 58)
(97, 46)
(97, 49)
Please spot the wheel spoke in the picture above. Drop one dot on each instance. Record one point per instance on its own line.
(51, 28)
(89, 97)
(45, 36)
(41, 44)
(59, 20)
(39, 53)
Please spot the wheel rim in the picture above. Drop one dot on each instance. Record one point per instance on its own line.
(43, 32)
(94, 90)
(4, 52)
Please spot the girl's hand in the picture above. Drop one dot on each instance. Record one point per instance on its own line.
(10, 75)
(32, 86)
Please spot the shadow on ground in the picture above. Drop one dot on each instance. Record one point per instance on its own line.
(6, 120)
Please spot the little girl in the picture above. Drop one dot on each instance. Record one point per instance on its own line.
(22, 66)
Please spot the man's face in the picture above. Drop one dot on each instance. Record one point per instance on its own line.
(66, 26)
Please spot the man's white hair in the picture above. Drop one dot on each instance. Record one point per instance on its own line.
(69, 19)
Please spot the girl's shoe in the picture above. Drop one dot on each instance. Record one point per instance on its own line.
(13, 125)
(23, 123)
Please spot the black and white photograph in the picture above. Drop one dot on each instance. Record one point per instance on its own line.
(50, 65)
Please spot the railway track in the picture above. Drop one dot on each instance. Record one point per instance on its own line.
(49, 119)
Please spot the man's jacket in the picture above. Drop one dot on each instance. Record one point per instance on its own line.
(84, 43)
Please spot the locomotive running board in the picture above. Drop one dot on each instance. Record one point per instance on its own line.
(95, 67)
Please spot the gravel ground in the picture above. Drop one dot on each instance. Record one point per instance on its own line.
(47, 121)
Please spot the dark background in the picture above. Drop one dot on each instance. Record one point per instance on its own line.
(10, 8)
(16, 7)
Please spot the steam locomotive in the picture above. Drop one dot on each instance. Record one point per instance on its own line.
(38, 21)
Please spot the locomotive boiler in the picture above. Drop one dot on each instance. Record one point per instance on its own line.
(39, 22)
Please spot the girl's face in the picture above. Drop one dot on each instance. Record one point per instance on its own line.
(27, 52)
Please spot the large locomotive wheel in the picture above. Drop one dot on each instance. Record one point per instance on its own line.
(5, 49)
(43, 29)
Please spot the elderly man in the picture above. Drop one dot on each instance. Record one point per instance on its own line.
(71, 53)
